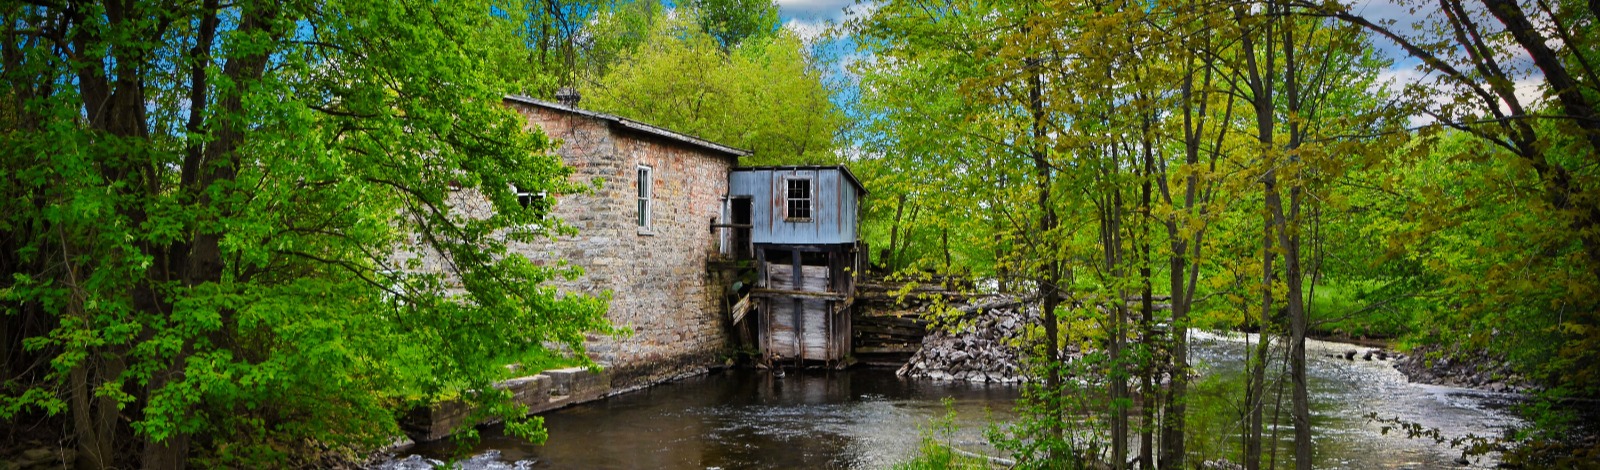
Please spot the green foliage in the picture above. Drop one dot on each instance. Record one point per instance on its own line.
(935, 450)
(765, 94)
(229, 259)
(733, 22)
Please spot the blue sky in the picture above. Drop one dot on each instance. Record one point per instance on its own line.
(813, 11)
(809, 18)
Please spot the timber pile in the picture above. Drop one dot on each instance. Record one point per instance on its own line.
(981, 350)
(889, 328)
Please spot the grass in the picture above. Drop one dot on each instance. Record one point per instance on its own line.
(935, 455)
(935, 451)
(1337, 311)
(533, 362)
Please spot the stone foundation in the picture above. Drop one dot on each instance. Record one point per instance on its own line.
(550, 390)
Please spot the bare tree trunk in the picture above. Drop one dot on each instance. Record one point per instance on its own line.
(1301, 410)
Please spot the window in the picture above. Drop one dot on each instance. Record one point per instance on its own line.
(536, 201)
(798, 197)
(643, 183)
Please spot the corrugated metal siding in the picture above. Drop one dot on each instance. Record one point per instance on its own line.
(833, 211)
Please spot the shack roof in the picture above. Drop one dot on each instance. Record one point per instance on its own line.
(633, 125)
(842, 169)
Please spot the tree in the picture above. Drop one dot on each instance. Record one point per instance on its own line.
(213, 212)
(1476, 73)
(733, 22)
(766, 95)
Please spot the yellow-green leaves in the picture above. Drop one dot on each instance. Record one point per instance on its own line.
(765, 94)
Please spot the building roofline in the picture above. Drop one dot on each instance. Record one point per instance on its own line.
(846, 170)
(633, 125)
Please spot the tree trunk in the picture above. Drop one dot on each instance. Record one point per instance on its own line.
(1300, 409)
(1150, 398)
(1255, 386)
(894, 232)
(1047, 269)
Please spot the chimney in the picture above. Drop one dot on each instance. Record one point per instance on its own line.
(568, 96)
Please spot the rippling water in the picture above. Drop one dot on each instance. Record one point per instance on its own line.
(748, 419)
(1343, 393)
(868, 418)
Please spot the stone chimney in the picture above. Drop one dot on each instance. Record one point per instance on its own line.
(568, 96)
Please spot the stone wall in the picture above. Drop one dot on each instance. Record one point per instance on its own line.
(661, 288)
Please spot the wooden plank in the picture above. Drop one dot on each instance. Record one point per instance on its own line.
(814, 328)
(889, 349)
(774, 293)
(813, 278)
(741, 308)
(781, 329)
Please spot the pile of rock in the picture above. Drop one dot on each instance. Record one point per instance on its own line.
(38, 457)
(980, 350)
(1367, 355)
(1220, 464)
(1476, 369)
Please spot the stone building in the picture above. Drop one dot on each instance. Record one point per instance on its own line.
(646, 235)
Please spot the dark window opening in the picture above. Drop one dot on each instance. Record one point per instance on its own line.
(814, 258)
(741, 235)
(798, 198)
(807, 258)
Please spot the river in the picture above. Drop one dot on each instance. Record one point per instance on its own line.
(869, 419)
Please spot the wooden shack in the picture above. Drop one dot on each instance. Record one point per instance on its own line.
(799, 224)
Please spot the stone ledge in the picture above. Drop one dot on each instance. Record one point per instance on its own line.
(543, 392)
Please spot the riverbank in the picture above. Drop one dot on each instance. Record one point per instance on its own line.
(1438, 365)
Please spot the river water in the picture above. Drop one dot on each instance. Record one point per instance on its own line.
(868, 419)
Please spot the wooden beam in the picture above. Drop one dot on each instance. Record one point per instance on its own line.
(796, 293)
(741, 308)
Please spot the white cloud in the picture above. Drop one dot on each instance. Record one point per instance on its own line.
(1528, 90)
(808, 30)
(815, 9)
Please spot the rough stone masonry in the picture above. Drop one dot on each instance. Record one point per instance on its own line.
(660, 286)
(661, 289)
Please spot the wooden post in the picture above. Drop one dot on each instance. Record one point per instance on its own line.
(799, 308)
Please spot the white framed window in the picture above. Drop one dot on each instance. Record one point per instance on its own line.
(537, 201)
(643, 184)
(797, 199)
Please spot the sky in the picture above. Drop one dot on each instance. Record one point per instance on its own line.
(810, 18)
(805, 14)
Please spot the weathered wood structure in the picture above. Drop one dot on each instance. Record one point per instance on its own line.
(799, 224)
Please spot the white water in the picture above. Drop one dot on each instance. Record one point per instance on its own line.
(1343, 393)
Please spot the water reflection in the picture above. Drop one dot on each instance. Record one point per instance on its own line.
(748, 419)
(868, 418)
